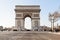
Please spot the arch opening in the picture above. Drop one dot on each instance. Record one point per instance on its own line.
(27, 23)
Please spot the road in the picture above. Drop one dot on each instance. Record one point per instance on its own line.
(28, 35)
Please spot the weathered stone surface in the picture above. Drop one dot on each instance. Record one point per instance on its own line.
(23, 11)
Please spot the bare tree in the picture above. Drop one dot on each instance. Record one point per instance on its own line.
(53, 18)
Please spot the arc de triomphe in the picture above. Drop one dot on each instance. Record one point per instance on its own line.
(23, 11)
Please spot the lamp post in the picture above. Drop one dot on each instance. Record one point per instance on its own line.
(52, 24)
(51, 18)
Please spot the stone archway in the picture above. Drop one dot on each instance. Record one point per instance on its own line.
(31, 11)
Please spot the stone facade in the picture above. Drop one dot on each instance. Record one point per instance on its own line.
(23, 11)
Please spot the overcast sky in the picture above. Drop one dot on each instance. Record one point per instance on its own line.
(7, 13)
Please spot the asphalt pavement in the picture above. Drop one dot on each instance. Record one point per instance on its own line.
(28, 35)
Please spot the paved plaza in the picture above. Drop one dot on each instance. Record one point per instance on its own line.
(28, 35)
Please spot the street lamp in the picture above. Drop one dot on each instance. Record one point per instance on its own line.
(51, 18)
